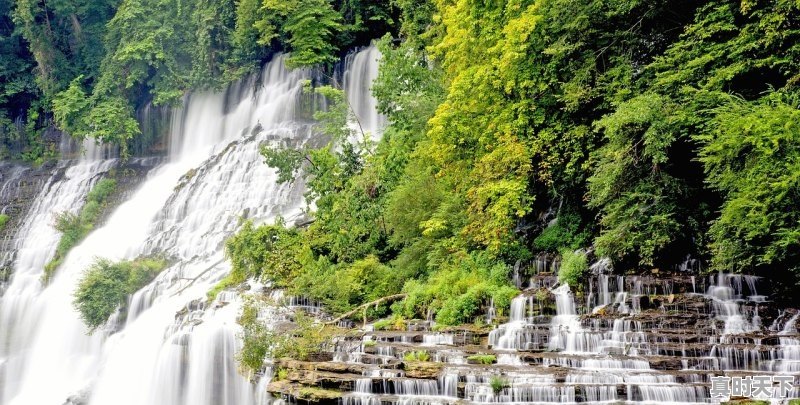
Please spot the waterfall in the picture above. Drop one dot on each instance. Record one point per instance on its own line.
(172, 348)
(726, 292)
(566, 327)
(24, 303)
(633, 345)
(361, 69)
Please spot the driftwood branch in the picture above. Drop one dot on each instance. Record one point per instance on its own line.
(192, 280)
(388, 298)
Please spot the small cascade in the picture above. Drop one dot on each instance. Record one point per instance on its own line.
(16, 190)
(612, 293)
(518, 333)
(786, 358)
(437, 339)
(566, 331)
(360, 70)
(726, 293)
(643, 339)
(491, 311)
(21, 305)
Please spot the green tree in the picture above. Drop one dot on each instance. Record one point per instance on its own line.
(640, 201)
(308, 27)
(752, 156)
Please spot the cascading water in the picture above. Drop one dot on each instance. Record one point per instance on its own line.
(640, 342)
(172, 347)
(23, 305)
(566, 329)
(726, 293)
(633, 342)
(361, 69)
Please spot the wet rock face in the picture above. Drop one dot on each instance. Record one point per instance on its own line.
(19, 185)
(422, 369)
(620, 339)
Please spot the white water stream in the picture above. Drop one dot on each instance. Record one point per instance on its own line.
(172, 349)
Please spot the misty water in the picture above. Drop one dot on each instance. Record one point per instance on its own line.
(184, 209)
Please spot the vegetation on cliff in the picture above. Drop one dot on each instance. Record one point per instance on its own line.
(106, 287)
(305, 338)
(86, 67)
(75, 226)
(648, 131)
(4, 218)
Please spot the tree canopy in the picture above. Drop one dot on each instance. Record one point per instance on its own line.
(641, 131)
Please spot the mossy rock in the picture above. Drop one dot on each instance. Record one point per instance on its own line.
(314, 394)
(484, 359)
(305, 393)
(422, 369)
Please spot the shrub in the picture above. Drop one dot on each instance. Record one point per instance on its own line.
(3, 221)
(482, 358)
(460, 290)
(75, 227)
(419, 355)
(573, 265)
(269, 251)
(498, 384)
(102, 190)
(382, 324)
(395, 322)
(231, 280)
(259, 342)
(281, 374)
(105, 286)
(565, 231)
(542, 294)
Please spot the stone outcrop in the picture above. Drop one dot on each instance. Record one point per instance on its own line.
(20, 184)
(634, 339)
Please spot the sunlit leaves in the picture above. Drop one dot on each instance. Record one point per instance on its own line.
(753, 157)
(309, 27)
(634, 192)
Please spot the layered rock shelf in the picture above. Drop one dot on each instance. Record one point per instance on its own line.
(623, 339)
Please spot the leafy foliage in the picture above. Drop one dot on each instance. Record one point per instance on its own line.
(307, 338)
(565, 231)
(106, 285)
(753, 157)
(483, 358)
(573, 266)
(622, 115)
(498, 384)
(639, 199)
(418, 355)
(308, 27)
(75, 227)
(4, 218)
(89, 66)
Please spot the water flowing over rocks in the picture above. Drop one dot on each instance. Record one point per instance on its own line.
(171, 346)
(651, 339)
(19, 185)
(622, 339)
